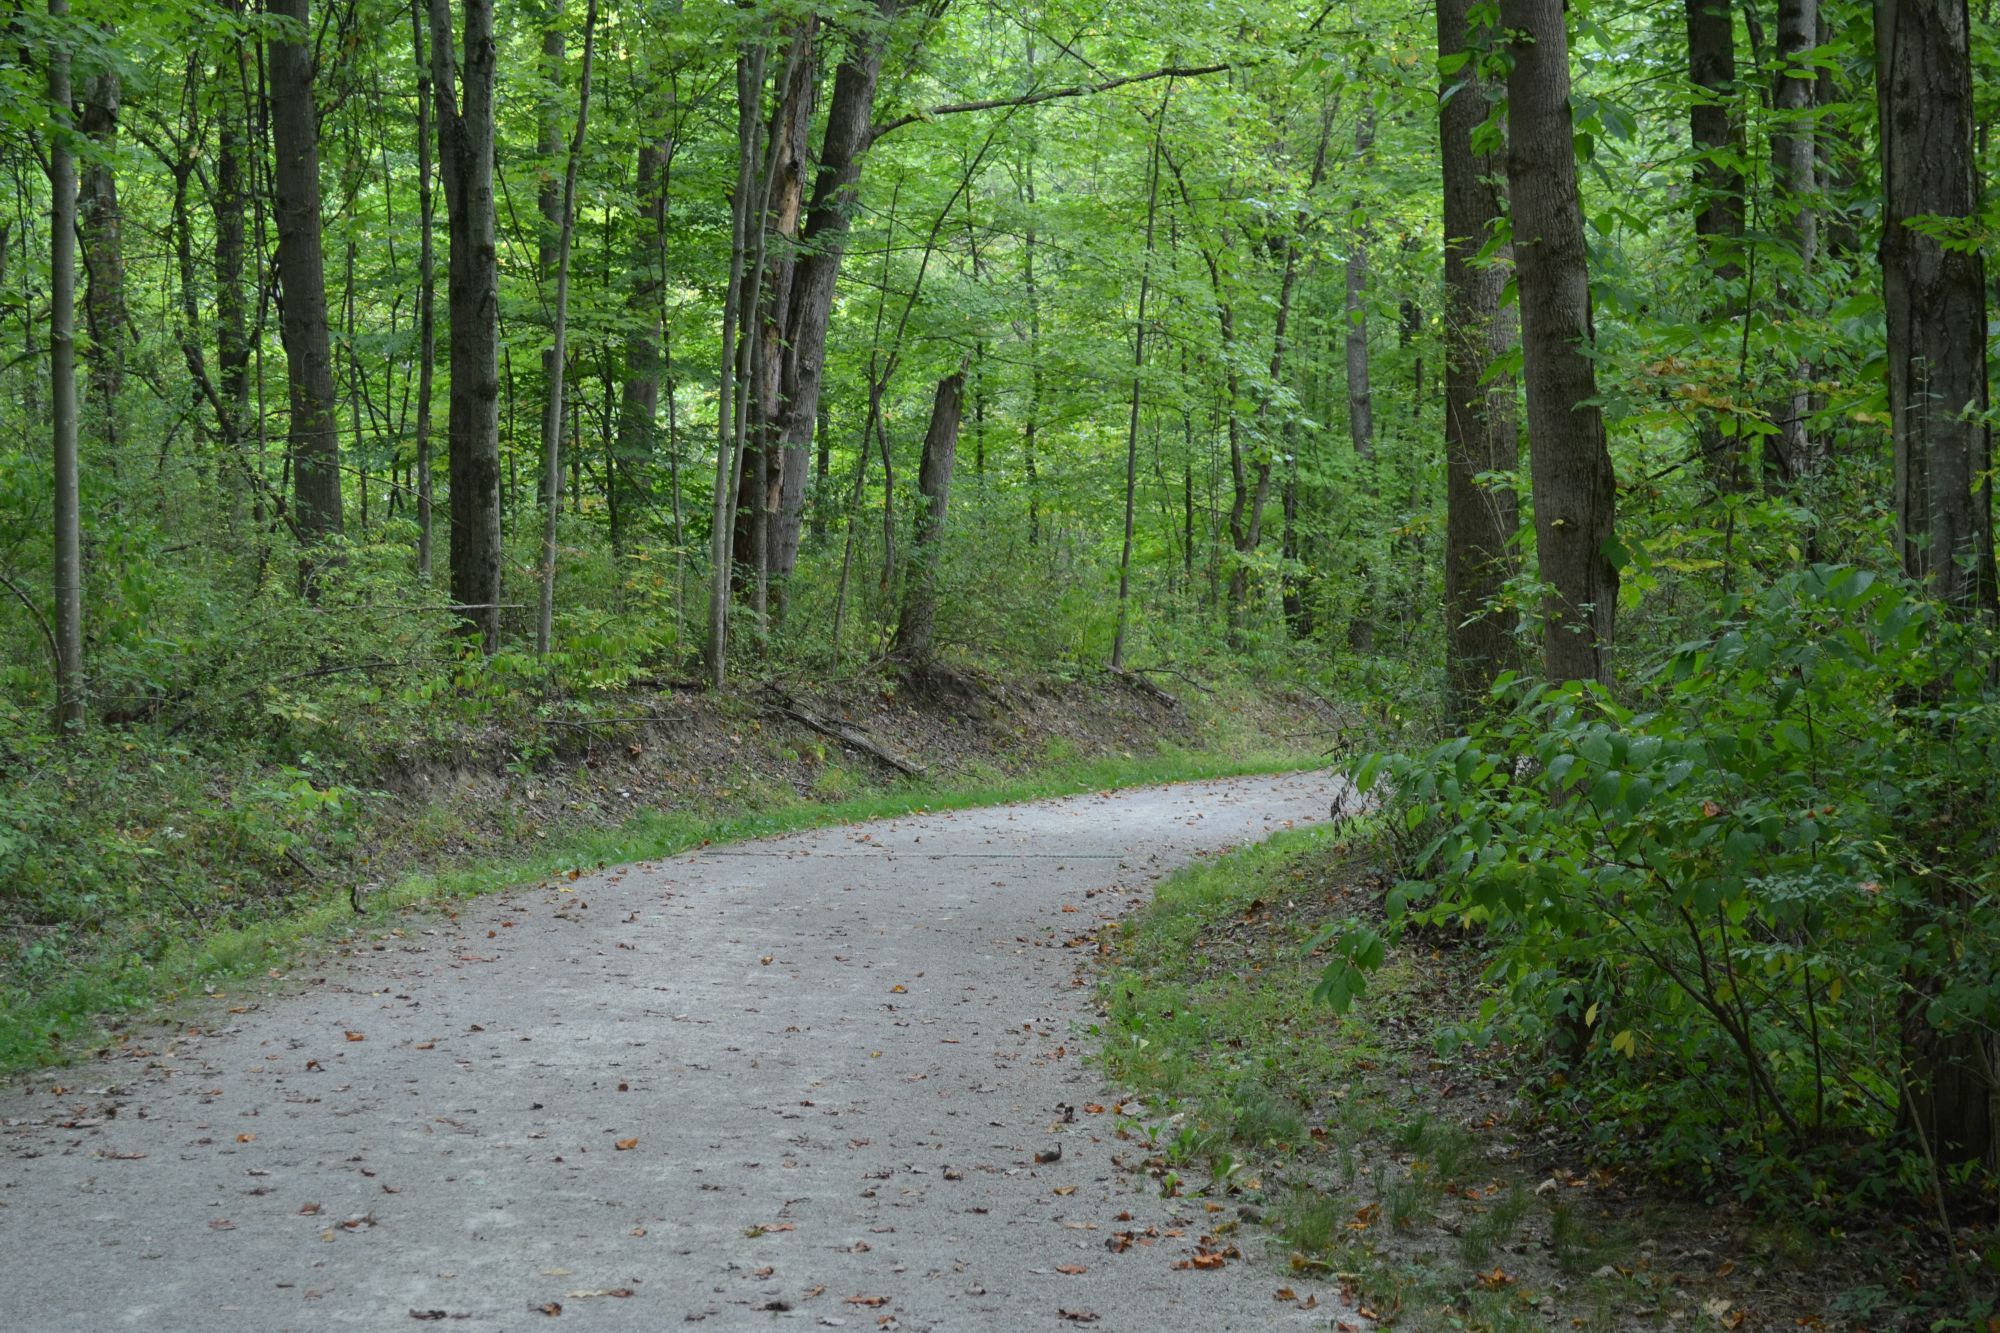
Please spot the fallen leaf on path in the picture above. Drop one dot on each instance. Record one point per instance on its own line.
(308, 1210)
(429, 1314)
(1071, 1269)
(619, 1292)
(246, 1138)
(221, 1224)
(872, 1302)
(549, 1308)
(1079, 1316)
(626, 1145)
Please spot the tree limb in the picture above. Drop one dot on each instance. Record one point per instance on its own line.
(1044, 95)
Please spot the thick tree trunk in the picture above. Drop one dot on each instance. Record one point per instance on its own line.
(464, 93)
(849, 131)
(100, 224)
(1936, 305)
(1717, 137)
(915, 627)
(1479, 425)
(426, 292)
(1936, 301)
(1786, 454)
(314, 432)
(1575, 490)
(69, 710)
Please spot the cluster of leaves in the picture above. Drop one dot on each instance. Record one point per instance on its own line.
(1726, 909)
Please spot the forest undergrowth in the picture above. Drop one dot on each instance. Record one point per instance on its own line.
(1444, 1184)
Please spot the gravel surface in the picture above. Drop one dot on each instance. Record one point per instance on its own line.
(833, 1079)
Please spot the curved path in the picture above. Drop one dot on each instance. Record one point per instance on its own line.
(815, 1081)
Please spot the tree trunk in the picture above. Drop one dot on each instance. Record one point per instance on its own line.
(314, 437)
(1479, 426)
(639, 398)
(548, 235)
(1575, 489)
(1138, 371)
(232, 335)
(849, 131)
(1786, 454)
(426, 293)
(464, 93)
(914, 628)
(1360, 401)
(100, 224)
(1936, 302)
(552, 415)
(728, 452)
(1717, 138)
(69, 710)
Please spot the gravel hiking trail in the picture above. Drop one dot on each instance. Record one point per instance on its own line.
(834, 1079)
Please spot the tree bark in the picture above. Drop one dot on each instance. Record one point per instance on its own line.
(1717, 138)
(915, 627)
(639, 397)
(69, 709)
(426, 292)
(1575, 489)
(849, 131)
(100, 225)
(548, 235)
(1479, 426)
(1138, 372)
(1360, 400)
(314, 437)
(464, 97)
(1936, 302)
(552, 415)
(1787, 453)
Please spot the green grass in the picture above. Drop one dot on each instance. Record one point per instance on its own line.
(72, 1015)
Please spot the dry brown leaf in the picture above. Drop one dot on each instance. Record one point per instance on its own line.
(626, 1145)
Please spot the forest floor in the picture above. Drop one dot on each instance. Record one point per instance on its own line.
(839, 1076)
(1431, 1187)
(176, 866)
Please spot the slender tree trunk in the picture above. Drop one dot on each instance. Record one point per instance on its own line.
(100, 224)
(69, 710)
(1138, 371)
(232, 334)
(1479, 426)
(464, 93)
(559, 352)
(914, 630)
(1360, 400)
(1575, 490)
(639, 398)
(426, 292)
(1717, 137)
(548, 235)
(1787, 453)
(314, 432)
(728, 454)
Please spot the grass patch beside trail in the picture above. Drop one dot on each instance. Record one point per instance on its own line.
(73, 1016)
(1415, 1180)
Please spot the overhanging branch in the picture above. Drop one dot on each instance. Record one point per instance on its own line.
(1045, 95)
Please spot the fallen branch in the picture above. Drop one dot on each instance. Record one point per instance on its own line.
(1134, 681)
(847, 736)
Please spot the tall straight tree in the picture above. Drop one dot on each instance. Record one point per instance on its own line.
(1575, 490)
(552, 413)
(1716, 134)
(314, 431)
(464, 93)
(916, 625)
(1936, 300)
(1935, 296)
(100, 225)
(1794, 83)
(1138, 376)
(426, 291)
(69, 712)
(1479, 427)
